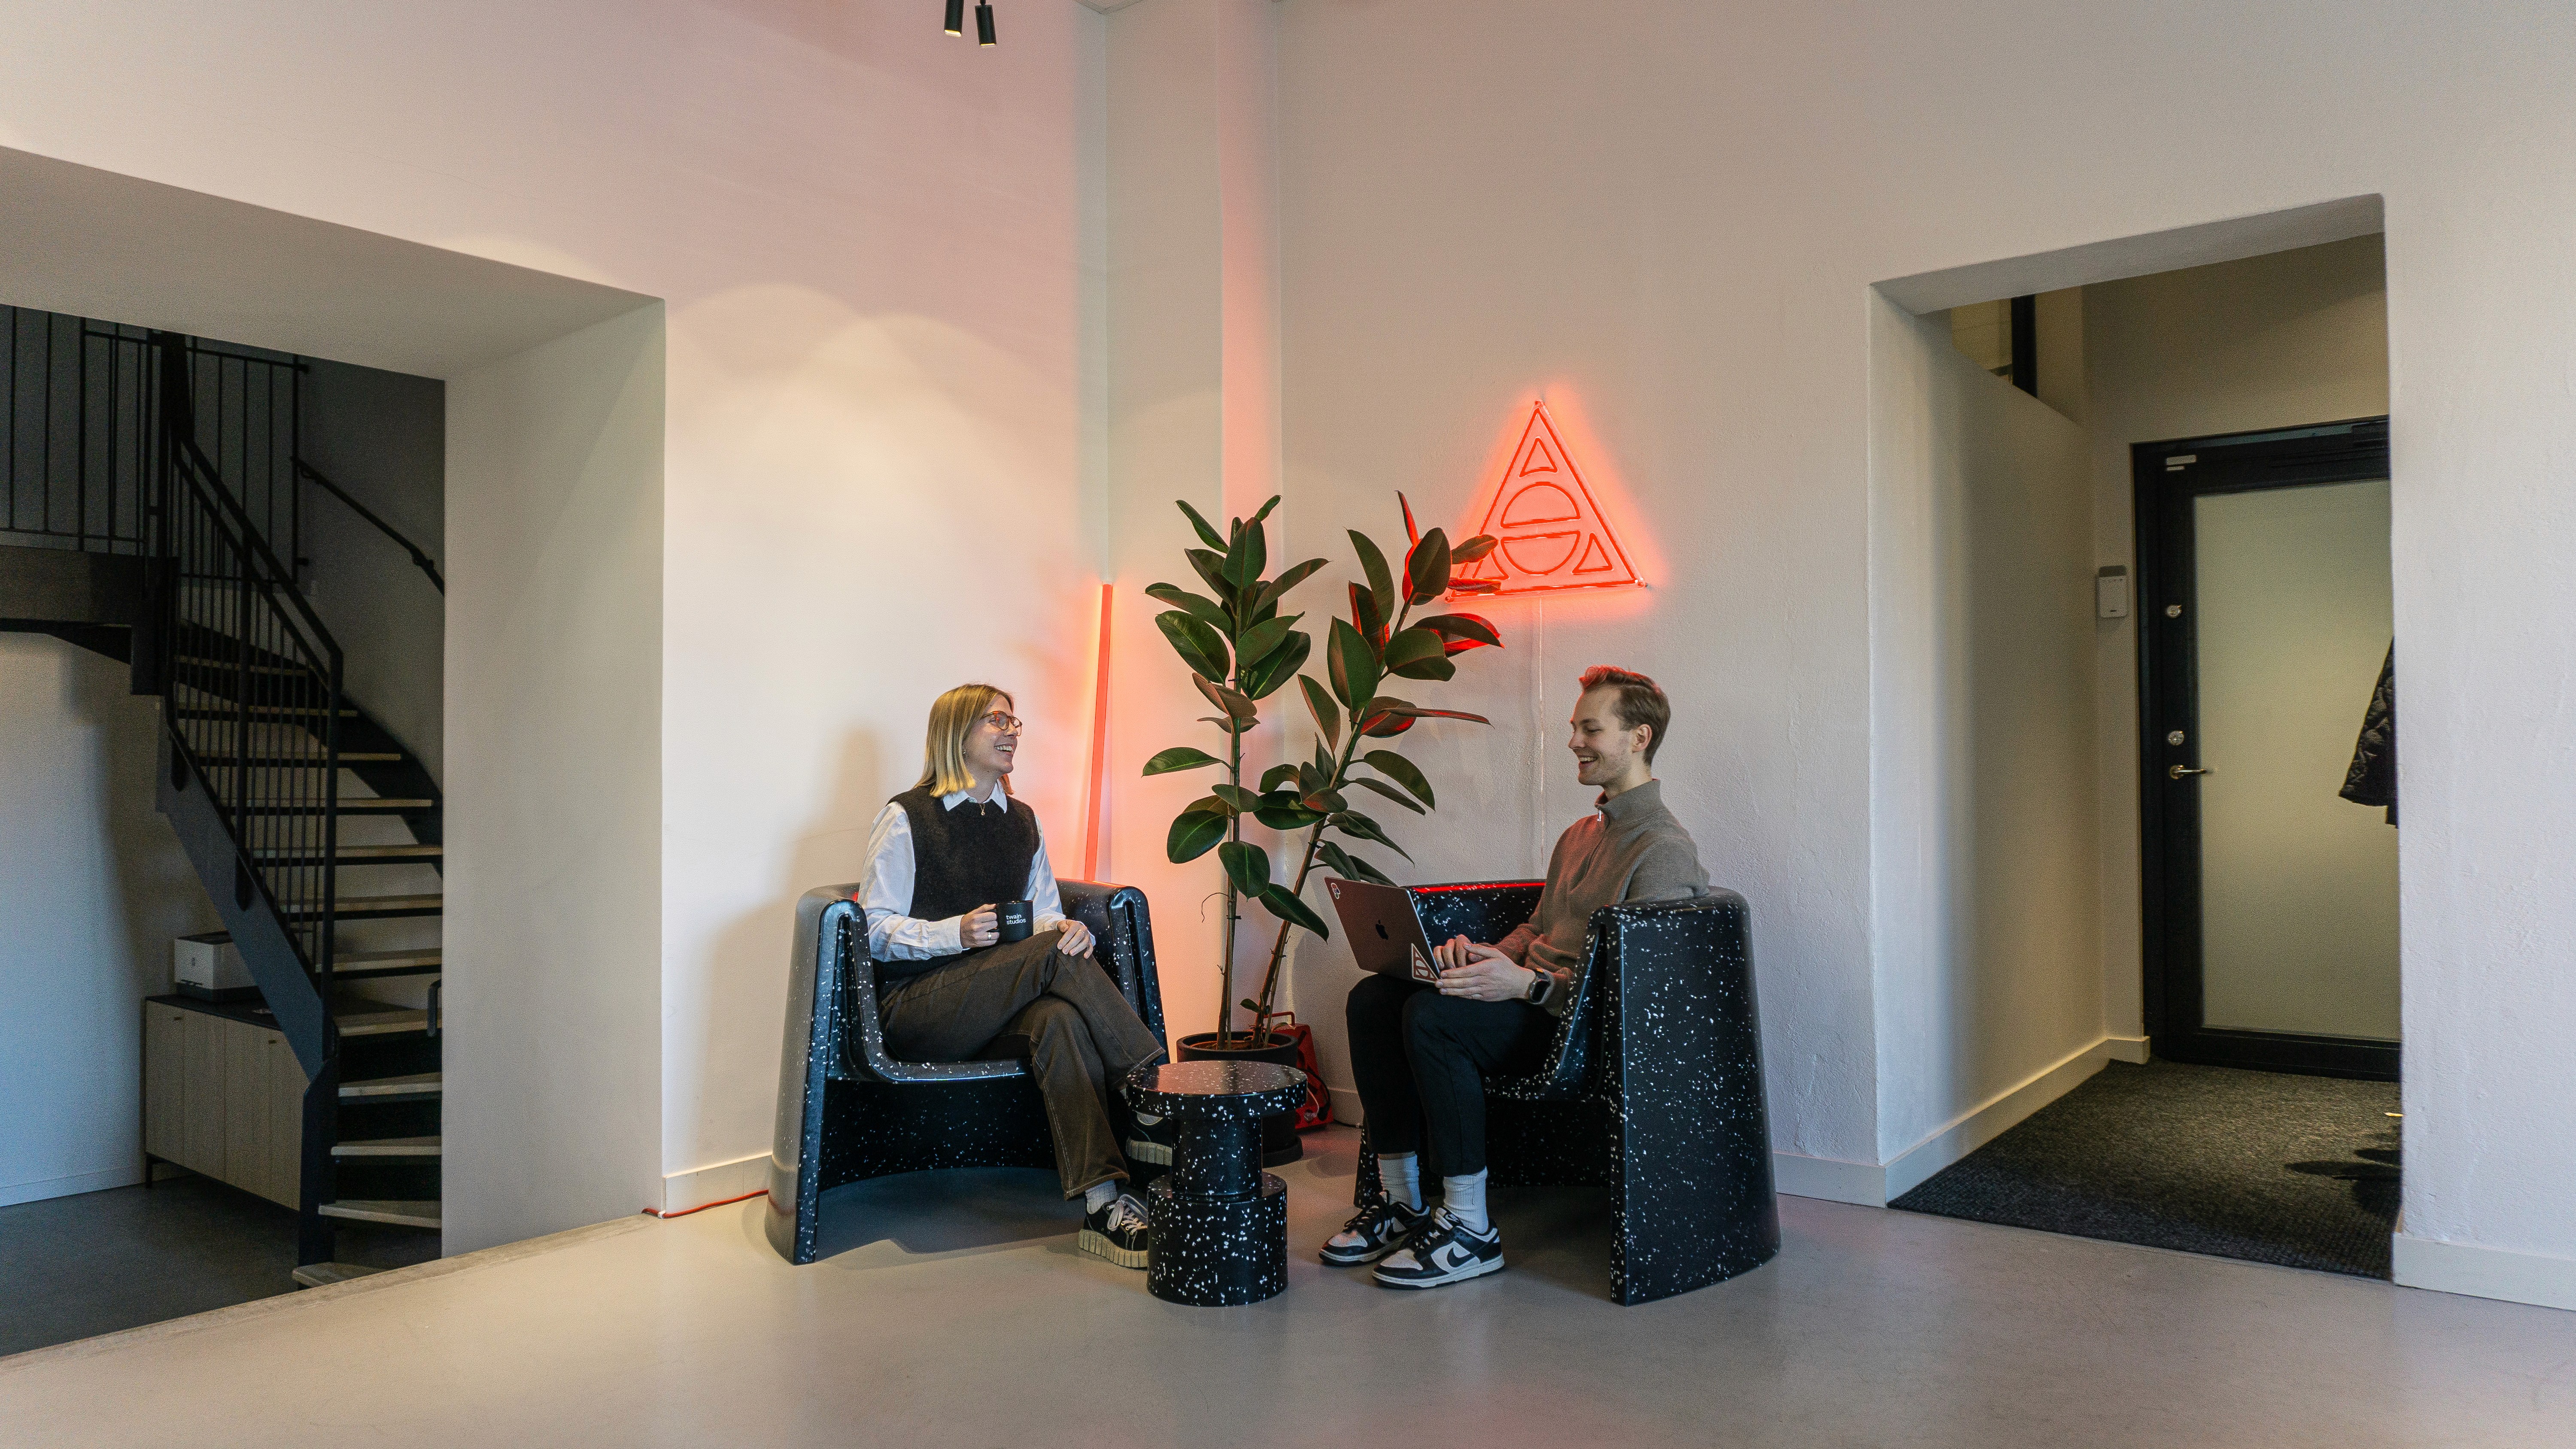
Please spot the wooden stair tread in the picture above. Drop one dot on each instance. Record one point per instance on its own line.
(418, 1084)
(396, 956)
(401, 1212)
(387, 1147)
(363, 805)
(374, 1020)
(323, 1275)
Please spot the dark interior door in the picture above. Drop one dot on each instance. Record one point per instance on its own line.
(2270, 901)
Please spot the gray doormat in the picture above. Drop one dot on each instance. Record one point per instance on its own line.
(2298, 1171)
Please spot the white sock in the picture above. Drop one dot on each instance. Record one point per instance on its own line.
(1402, 1174)
(1100, 1195)
(1466, 1200)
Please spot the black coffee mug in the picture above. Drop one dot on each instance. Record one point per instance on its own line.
(1013, 919)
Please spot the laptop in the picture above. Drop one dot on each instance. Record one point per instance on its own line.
(1384, 929)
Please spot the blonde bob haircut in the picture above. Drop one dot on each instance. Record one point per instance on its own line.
(952, 718)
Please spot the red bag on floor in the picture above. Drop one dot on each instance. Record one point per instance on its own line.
(1317, 1110)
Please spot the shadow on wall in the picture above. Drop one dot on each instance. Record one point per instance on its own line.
(750, 954)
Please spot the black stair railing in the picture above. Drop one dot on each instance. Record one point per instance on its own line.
(251, 681)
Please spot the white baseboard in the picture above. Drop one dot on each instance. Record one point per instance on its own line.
(1346, 1106)
(2130, 1049)
(79, 1182)
(1991, 1119)
(704, 1186)
(2483, 1272)
(1829, 1178)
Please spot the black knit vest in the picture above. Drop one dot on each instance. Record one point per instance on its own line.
(974, 855)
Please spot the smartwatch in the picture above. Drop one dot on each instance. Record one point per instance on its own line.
(1542, 986)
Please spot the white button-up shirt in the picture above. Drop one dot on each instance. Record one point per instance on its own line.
(894, 933)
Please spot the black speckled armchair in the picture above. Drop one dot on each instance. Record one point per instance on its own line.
(1653, 1088)
(847, 1111)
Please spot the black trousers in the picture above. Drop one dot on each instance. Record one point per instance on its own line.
(1420, 1059)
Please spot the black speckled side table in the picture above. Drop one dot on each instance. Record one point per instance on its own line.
(1220, 1234)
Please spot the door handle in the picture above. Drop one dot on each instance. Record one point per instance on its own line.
(2178, 771)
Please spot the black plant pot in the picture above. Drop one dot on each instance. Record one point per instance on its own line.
(1279, 1142)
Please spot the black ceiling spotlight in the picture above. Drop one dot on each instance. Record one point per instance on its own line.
(983, 22)
(957, 17)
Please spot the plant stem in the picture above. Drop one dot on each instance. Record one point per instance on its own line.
(1234, 828)
(1306, 864)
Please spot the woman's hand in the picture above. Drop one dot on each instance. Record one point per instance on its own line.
(1076, 937)
(1481, 973)
(981, 926)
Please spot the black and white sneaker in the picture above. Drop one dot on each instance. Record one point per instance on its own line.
(1373, 1232)
(1116, 1231)
(1445, 1251)
(1147, 1137)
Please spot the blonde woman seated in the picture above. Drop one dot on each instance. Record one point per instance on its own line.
(941, 857)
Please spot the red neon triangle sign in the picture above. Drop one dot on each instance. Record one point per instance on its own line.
(1552, 535)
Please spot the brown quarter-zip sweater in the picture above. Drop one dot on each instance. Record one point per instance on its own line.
(1632, 849)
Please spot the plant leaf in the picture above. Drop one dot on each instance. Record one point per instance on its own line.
(1197, 606)
(1201, 647)
(1287, 907)
(1323, 802)
(1364, 614)
(1413, 646)
(1438, 667)
(1390, 792)
(1248, 866)
(1259, 640)
(1458, 585)
(1360, 827)
(1426, 569)
(1328, 716)
(1207, 531)
(1211, 567)
(1381, 582)
(1352, 664)
(1284, 813)
(1403, 772)
(1193, 832)
(1180, 757)
(1220, 721)
(1263, 679)
(1464, 631)
(1247, 556)
(1311, 778)
(1266, 507)
(1235, 798)
(1410, 712)
(1279, 775)
(1237, 707)
(1289, 579)
(1412, 534)
(1349, 866)
(1470, 550)
(1387, 726)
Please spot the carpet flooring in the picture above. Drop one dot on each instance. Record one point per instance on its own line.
(74, 1267)
(2296, 1171)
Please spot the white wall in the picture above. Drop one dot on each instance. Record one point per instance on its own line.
(881, 309)
(93, 886)
(1984, 845)
(1670, 216)
(2274, 341)
(553, 991)
(382, 436)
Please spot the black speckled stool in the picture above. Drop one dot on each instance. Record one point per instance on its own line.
(1220, 1234)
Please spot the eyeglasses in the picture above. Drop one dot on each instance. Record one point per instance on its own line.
(1008, 724)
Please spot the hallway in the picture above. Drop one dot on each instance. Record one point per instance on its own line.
(972, 1321)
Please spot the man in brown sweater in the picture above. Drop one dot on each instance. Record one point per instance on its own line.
(1420, 1053)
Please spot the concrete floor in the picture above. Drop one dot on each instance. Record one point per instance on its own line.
(966, 1318)
(98, 1262)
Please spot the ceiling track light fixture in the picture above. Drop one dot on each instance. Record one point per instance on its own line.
(956, 24)
(956, 17)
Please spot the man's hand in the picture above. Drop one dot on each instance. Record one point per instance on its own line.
(981, 926)
(1479, 972)
(1076, 937)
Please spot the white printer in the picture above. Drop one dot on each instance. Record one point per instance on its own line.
(210, 966)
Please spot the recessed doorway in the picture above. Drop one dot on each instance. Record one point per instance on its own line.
(2270, 891)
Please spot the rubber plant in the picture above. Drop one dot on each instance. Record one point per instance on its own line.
(1380, 641)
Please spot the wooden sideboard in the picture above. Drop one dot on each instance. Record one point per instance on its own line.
(222, 1095)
